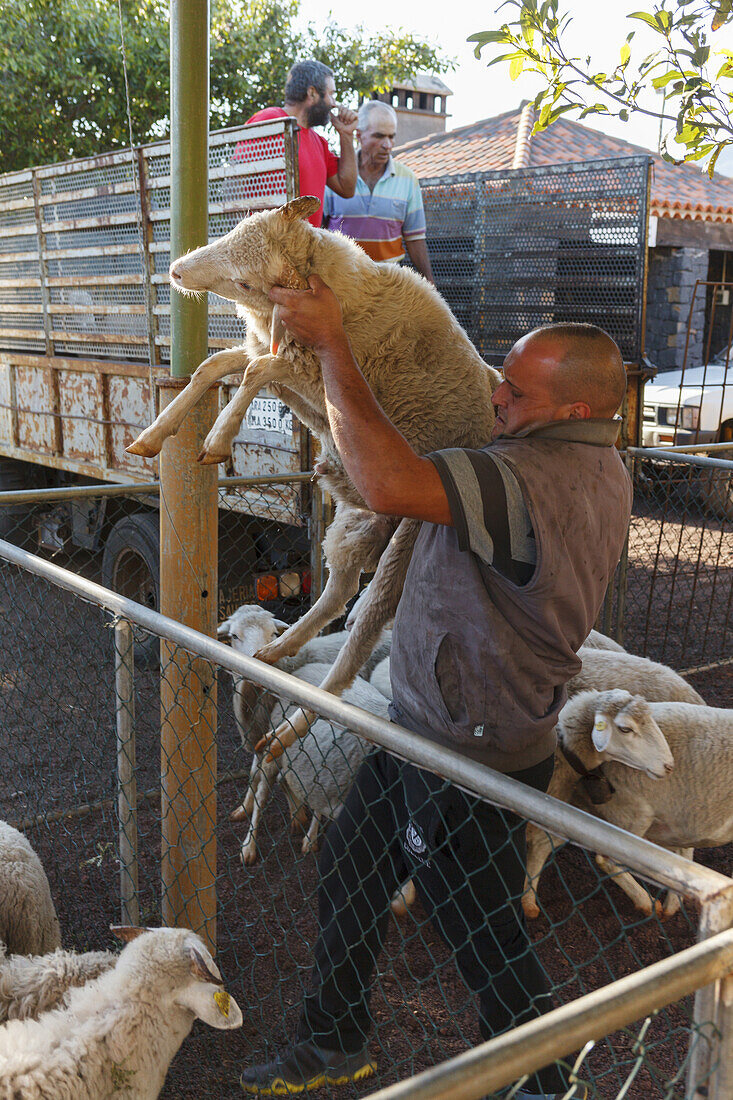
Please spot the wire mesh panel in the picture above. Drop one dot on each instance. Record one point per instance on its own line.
(674, 591)
(512, 250)
(61, 722)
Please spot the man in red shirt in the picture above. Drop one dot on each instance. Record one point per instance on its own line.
(310, 94)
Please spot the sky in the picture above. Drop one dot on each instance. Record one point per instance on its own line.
(598, 29)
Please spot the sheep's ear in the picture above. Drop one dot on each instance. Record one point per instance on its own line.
(223, 630)
(280, 627)
(602, 729)
(302, 207)
(201, 969)
(214, 1006)
(127, 932)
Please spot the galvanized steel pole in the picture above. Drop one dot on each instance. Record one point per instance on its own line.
(188, 516)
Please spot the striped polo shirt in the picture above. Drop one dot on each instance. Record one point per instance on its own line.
(380, 220)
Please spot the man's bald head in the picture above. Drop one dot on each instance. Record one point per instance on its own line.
(589, 368)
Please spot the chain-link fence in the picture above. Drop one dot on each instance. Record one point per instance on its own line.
(673, 595)
(86, 741)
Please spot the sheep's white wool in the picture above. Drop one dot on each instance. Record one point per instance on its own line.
(28, 921)
(119, 1032)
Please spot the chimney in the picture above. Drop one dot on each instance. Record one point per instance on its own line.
(524, 129)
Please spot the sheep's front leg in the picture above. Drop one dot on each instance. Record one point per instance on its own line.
(267, 774)
(541, 844)
(310, 839)
(261, 371)
(149, 442)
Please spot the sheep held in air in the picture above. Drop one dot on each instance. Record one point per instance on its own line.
(28, 921)
(118, 1033)
(418, 361)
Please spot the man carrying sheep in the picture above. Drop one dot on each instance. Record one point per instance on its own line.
(517, 545)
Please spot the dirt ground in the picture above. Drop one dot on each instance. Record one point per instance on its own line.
(57, 714)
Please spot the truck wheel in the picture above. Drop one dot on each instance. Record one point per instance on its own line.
(16, 520)
(131, 566)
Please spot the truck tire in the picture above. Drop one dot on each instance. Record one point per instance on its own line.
(131, 566)
(16, 520)
(717, 485)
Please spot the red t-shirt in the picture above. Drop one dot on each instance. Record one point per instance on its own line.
(316, 162)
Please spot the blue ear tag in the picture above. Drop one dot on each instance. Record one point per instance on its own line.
(478, 731)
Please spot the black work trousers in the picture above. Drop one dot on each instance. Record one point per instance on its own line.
(467, 860)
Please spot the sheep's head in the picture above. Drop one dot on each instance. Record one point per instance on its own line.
(175, 966)
(250, 628)
(245, 264)
(624, 730)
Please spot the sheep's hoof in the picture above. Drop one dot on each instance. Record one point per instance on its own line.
(240, 814)
(299, 821)
(249, 854)
(210, 458)
(145, 450)
(309, 845)
(530, 907)
(402, 899)
(276, 650)
(671, 906)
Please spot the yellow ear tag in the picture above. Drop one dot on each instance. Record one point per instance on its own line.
(222, 1000)
(600, 723)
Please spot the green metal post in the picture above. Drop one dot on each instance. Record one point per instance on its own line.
(188, 516)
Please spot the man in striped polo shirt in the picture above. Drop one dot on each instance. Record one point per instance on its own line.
(385, 216)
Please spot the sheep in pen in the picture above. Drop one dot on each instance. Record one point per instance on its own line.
(418, 361)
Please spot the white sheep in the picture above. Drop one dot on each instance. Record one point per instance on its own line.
(32, 984)
(247, 630)
(119, 1033)
(603, 670)
(428, 377)
(28, 921)
(596, 640)
(676, 792)
(319, 769)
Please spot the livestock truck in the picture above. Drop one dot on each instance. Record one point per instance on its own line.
(84, 338)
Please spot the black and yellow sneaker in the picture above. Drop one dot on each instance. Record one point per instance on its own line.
(306, 1066)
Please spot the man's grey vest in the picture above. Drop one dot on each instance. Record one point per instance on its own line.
(478, 663)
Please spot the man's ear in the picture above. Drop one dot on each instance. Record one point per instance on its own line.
(580, 411)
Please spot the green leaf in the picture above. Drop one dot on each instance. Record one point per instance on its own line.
(645, 17)
(516, 66)
(625, 53)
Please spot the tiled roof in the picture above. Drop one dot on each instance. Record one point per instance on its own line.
(678, 191)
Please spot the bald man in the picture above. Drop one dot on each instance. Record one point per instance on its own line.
(518, 543)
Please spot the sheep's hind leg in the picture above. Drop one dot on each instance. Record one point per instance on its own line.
(641, 898)
(672, 901)
(379, 606)
(150, 441)
(218, 443)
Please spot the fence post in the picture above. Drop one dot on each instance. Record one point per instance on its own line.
(710, 1078)
(188, 517)
(126, 778)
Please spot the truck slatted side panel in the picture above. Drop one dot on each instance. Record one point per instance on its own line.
(85, 302)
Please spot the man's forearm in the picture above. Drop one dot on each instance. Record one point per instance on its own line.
(417, 250)
(391, 477)
(347, 169)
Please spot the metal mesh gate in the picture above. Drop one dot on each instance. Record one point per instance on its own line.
(512, 250)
